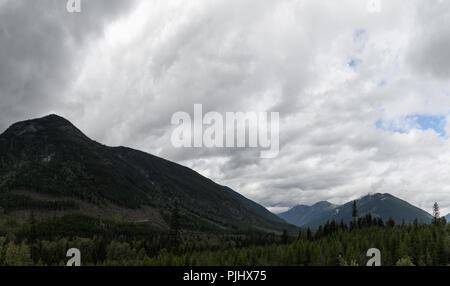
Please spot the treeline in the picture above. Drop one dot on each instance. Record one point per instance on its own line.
(108, 241)
(13, 202)
(114, 243)
(421, 245)
(361, 222)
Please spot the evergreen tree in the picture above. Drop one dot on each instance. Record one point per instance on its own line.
(18, 255)
(380, 222)
(308, 234)
(436, 217)
(405, 261)
(354, 211)
(32, 221)
(32, 236)
(390, 222)
(175, 226)
(284, 237)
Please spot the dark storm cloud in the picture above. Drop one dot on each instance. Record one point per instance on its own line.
(430, 53)
(41, 48)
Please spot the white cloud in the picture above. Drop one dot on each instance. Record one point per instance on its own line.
(286, 56)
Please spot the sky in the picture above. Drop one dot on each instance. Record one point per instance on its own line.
(363, 94)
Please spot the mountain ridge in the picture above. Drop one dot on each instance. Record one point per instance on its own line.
(378, 205)
(50, 156)
(302, 214)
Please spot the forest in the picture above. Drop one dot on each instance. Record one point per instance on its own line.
(117, 243)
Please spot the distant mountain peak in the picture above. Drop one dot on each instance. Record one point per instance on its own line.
(301, 214)
(378, 205)
(373, 196)
(323, 204)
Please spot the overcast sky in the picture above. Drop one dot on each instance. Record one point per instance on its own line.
(363, 96)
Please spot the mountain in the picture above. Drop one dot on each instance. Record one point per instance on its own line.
(378, 205)
(49, 166)
(302, 214)
(447, 217)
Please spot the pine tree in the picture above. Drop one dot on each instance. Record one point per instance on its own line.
(405, 261)
(354, 211)
(32, 221)
(308, 234)
(18, 255)
(175, 226)
(390, 222)
(284, 237)
(436, 217)
(32, 236)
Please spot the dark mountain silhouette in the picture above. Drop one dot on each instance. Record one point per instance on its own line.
(378, 205)
(48, 165)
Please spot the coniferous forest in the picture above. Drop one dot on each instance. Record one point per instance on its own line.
(113, 242)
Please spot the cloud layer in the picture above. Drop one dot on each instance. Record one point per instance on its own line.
(332, 69)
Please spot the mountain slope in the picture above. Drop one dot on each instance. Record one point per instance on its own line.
(302, 214)
(50, 157)
(379, 205)
(261, 212)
